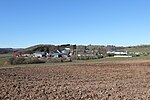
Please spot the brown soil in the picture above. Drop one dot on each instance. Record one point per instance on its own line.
(92, 81)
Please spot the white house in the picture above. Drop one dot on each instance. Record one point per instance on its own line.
(39, 54)
(118, 52)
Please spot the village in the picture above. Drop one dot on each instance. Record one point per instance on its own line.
(70, 52)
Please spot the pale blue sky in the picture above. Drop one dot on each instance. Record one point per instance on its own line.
(25, 23)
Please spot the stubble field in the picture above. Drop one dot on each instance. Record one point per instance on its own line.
(77, 81)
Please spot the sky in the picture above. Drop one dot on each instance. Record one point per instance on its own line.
(24, 23)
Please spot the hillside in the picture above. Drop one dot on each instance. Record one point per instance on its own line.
(75, 49)
(45, 48)
(140, 48)
(80, 48)
(6, 50)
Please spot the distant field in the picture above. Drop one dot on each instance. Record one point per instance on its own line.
(139, 49)
(117, 59)
(126, 59)
(5, 57)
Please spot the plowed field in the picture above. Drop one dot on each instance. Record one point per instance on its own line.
(77, 81)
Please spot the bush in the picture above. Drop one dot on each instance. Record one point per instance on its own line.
(100, 56)
(11, 60)
(86, 57)
(61, 59)
(21, 60)
(110, 54)
(14, 61)
(33, 61)
(54, 60)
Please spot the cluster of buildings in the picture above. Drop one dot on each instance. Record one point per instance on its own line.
(125, 53)
(58, 53)
(68, 53)
(79, 51)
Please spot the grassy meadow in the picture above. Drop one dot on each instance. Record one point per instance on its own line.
(126, 59)
(139, 49)
(4, 58)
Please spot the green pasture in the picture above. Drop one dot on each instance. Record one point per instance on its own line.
(4, 58)
(139, 49)
(142, 57)
(126, 59)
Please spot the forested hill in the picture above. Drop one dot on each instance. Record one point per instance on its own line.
(51, 48)
(139, 48)
(6, 50)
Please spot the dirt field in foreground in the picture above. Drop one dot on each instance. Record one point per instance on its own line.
(92, 81)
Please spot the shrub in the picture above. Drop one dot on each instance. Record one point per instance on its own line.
(33, 61)
(21, 60)
(53, 60)
(15, 61)
(11, 60)
(61, 59)
(86, 57)
(110, 54)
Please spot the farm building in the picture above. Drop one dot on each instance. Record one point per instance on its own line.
(26, 55)
(118, 52)
(39, 54)
(59, 53)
